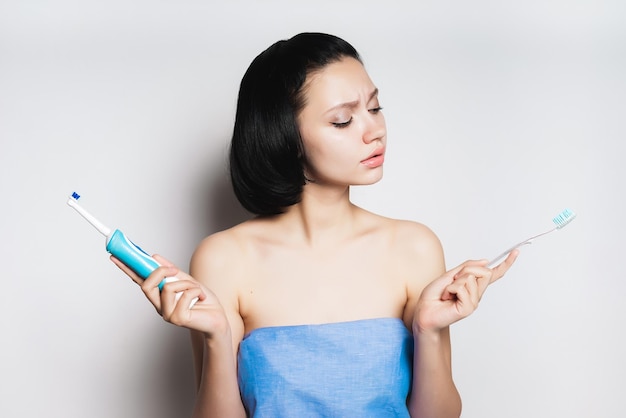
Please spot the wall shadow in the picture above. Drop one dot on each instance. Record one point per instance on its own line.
(215, 208)
(221, 207)
(171, 372)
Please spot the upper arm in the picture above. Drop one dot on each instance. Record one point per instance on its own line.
(423, 261)
(216, 264)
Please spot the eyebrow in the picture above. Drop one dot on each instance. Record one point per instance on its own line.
(354, 103)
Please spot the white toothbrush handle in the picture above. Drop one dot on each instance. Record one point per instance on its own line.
(519, 244)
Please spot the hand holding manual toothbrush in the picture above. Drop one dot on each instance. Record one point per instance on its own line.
(456, 294)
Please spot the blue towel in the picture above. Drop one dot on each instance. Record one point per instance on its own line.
(348, 369)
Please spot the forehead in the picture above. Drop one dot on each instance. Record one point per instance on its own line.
(343, 80)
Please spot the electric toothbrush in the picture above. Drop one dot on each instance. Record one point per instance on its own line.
(122, 248)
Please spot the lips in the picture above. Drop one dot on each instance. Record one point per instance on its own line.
(375, 159)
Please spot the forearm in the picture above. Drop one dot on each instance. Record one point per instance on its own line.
(218, 393)
(434, 394)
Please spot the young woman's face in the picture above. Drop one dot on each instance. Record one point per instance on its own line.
(343, 130)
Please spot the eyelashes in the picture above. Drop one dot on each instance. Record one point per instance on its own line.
(340, 125)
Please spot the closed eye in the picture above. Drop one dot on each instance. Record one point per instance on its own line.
(342, 124)
(375, 110)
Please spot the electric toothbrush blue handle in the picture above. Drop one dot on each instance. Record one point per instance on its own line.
(137, 259)
(132, 255)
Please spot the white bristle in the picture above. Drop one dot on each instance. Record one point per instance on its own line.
(563, 218)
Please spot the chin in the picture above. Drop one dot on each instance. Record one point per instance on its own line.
(372, 179)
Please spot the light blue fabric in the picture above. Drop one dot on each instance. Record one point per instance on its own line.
(347, 369)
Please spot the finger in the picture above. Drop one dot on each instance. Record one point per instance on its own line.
(150, 286)
(186, 300)
(159, 275)
(481, 273)
(162, 260)
(166, 263)
(190, 298)
(178, 297)
(435, 289)
(473, 292)
(459, 270)
(465, 264)
(169, 294)
(126, 270)
(504, 266)
(470, 263)
(478, 270)
(465, 303)
(470, 283)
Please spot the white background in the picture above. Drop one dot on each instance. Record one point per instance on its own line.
(500, 114)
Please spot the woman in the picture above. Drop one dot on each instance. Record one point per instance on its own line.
(316, 307)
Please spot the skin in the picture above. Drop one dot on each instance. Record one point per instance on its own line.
(324, 260)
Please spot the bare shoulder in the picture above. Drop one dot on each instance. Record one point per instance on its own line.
(412, 241)
(217, 258)
(414, 248)
(215, 251)
(416, 238)
(421, 247)
(419, 259)
(224, 258)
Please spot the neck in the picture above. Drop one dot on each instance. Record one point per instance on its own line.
(324, 216)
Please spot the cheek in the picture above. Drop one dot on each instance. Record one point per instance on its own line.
(331, 148)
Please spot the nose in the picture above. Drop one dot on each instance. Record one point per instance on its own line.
(375, 128)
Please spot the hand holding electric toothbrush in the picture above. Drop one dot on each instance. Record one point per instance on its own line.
(125, 251)
(176, 300)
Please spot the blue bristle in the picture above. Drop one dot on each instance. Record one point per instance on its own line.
(563, 218)
(75, 196)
